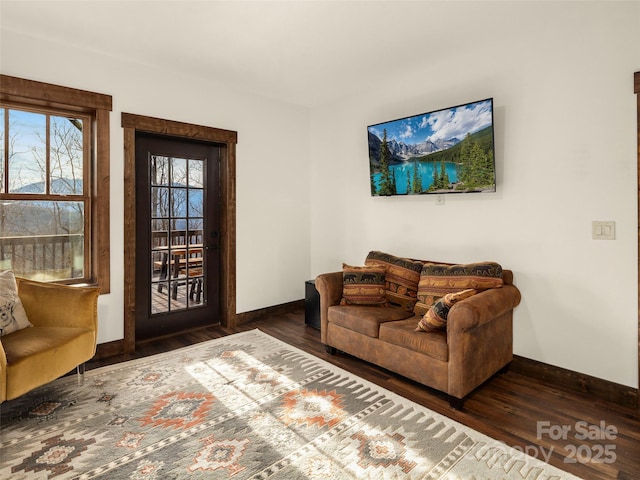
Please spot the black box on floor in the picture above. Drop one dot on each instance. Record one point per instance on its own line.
(311, 304)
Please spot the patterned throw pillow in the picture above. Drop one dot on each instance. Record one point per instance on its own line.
(363, 285)
(436, 317)
(12, 314)
(436, 280)
(401, 279)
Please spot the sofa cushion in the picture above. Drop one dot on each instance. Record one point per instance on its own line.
(436, 317)
(12, 314)
(365, 319)
(402, 333)
(401, 278)
(363, 285)
(437, 280)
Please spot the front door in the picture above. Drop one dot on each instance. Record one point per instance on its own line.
(177, 235)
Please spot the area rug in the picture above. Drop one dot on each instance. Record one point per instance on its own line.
(246, 406)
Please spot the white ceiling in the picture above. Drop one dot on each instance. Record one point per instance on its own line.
(304, 52)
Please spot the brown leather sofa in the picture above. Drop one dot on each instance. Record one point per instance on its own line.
(63, 336)
(477, 342)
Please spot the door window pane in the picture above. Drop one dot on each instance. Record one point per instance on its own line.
(179, 202)
(179, 172)
(159, 202)
(196, 203)
(196, 169)
(159, 170)
(197, 224)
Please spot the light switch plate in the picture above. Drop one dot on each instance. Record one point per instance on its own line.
(603, 230)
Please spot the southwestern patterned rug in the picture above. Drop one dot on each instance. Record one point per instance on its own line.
(247, 406)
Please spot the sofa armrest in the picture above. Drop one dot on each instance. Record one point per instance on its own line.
(55, 305)
(329, 286)
(482, 308)
(480, 337)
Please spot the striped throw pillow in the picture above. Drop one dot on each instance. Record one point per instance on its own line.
(363, 285)
(437, 280)
(401, 279)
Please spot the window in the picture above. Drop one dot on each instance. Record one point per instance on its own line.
(54, 182)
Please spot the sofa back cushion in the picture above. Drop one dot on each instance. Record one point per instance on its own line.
(401, 278)
(437, 280)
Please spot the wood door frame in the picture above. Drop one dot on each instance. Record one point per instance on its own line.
(131, 124)
(636, 89)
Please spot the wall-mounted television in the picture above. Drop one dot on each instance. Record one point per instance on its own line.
(443, 151)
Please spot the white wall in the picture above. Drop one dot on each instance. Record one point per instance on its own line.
(562, 81)
(272, 193)
(561, 75)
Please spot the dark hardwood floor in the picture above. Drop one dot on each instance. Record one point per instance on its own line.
(602, 440)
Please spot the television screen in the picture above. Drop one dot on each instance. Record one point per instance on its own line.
(444, 151)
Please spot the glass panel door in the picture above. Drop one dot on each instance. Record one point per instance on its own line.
(177, 225)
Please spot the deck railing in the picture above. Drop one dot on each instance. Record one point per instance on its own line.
(46, 257)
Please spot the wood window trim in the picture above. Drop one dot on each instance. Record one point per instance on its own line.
(636, 89)
(131, 124)
(39, 94)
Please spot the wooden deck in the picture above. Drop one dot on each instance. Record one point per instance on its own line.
(163, 301)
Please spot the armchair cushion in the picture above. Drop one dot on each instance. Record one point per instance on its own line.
(12, 314)
(38, 355)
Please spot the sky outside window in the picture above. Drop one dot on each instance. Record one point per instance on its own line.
(27, 153)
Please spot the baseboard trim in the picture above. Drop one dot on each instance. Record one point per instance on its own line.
(559, 377)
(587, 385)
(109, 349)
(282, 309)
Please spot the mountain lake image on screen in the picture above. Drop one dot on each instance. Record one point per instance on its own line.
(443, 151)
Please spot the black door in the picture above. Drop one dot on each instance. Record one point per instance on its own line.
(177, 235)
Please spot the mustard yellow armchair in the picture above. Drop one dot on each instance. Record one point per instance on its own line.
(63, 336)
